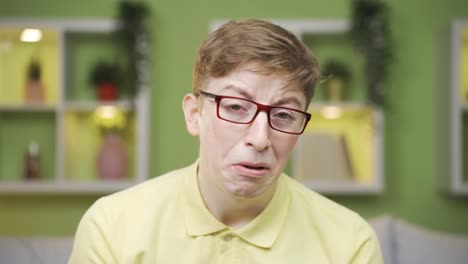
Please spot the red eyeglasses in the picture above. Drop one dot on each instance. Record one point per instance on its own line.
(242, 111)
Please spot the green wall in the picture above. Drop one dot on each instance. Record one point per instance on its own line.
(416, 119)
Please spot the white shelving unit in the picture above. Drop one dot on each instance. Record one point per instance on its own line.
(301, 28)
(458, 181)
(351, 182)
(60, 183)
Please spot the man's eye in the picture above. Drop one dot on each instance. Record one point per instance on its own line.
(235, 107)
(284, 115)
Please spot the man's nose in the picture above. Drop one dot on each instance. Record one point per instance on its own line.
(258, 133)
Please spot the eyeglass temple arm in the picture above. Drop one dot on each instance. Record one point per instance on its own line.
(208, 95)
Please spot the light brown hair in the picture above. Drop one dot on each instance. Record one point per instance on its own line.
(268, 46)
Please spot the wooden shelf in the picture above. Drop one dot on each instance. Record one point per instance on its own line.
(64, 187)
(302, 27)
(86, 106)
(345, 188)
(27, 108)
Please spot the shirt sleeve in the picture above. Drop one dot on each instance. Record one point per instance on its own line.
(368, 247)
(91, 243)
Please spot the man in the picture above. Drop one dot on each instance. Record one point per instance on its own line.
(252, 84)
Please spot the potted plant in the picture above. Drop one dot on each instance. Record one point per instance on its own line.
(105, 76)
(337, 76)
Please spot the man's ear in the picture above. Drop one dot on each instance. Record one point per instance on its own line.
(191, 113)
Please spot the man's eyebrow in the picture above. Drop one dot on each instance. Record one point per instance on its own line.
(289, 100)
(238, 90)
(283, 101)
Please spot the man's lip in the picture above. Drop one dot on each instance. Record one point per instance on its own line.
(254, 165)
(255, 170)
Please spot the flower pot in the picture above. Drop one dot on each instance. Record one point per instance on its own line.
(335, 90)
(107, 91)
(112, 159)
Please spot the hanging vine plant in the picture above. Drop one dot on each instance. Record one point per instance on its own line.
(371, 35)
(132, 35)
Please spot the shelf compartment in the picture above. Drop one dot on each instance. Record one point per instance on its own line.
(15, 57)
(17, 130)
(87, 106)
(340, 150)
(338, 47)
(83, 138)
(82, 52)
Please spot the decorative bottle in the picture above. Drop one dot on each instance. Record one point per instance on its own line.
(32, 162)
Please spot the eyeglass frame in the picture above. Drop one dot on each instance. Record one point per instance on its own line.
(260, 107)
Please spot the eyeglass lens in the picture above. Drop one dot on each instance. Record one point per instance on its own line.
(242, 111)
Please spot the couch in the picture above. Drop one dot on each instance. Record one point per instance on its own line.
(402, 243)
(37, 250)
(406, 243)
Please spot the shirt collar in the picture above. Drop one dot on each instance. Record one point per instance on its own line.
(265, 228)
(198, 219)
(261, 231)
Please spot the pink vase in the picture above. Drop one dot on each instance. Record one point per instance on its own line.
(34, 91)
(112, 159)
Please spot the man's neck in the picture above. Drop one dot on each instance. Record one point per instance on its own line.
(233, 211)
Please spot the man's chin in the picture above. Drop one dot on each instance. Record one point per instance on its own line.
(247, 191)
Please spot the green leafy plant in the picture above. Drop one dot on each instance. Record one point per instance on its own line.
(105, 72)
(336, 69)
(34, 70)
(371, 35)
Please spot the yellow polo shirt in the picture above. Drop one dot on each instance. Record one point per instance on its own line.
(165, 220)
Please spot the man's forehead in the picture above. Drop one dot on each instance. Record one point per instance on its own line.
(281, 96)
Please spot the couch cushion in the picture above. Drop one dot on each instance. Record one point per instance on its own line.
(40, 250)
(384, 228)
(418, 245)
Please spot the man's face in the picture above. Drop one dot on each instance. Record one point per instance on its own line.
(245, 159)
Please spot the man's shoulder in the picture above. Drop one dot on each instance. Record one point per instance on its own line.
(344, 234)
(321, 209)
(153, 191)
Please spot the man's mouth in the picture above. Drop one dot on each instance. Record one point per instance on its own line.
(254, 167)
(251, 169)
